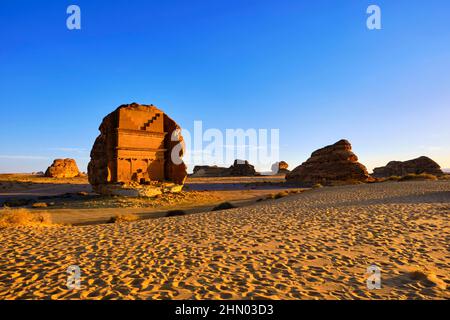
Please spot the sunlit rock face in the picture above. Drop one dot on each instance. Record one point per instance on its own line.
(63, 168)
(402, 168)
(333, 163)
(137, 145)
(283, 167)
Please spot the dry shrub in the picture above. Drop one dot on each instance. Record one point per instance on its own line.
(126, 217)
(23, 217)
(174, 213)
(39, 205)
(278, 195)
(418, 177)
(270, 196)
(17, 202)
(224, 206)
(445, 177)
(391, 178)
(317, 185)
(281, 194)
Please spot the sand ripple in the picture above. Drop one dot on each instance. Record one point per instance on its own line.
(313, 245)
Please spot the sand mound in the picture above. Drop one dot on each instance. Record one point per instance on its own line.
(22, 217)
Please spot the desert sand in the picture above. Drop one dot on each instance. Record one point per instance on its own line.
(67, 206)
(313, 245)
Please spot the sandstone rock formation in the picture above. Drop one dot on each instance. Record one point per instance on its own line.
(239, 168)
(209, 171)
(280, 167)
(334, 163)
(137, 145)
(283, 167)
(63, 168)
(398, 168)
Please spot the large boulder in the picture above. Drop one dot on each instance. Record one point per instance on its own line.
(401, 168)
(63, 168)
(137, 145)
(334, 163)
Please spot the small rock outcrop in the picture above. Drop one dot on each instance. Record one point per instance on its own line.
(209, 171)
(280, 168)
(401, 168)
(283, 167)
(333, 163)
(63, 168)
(241, 168)
(138, 146)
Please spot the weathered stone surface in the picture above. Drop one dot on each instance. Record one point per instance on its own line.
(63, 168)
(280, 167)
(135, 145)
(330, 164)
(239, 168)
(283, 167)
(398, 168)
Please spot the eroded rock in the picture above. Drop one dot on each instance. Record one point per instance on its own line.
(241, 168)
(280, 167)
(63, 168)
(138, 145)
(401, 168)
(333, 163)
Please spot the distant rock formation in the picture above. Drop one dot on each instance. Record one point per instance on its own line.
(63, 168)
(332, 163)
(401, 168)
(135, 147)
(280, 168)
(283, 167)
(239, 168)
(209, 171)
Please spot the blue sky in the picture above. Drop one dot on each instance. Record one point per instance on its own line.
(309, 68)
